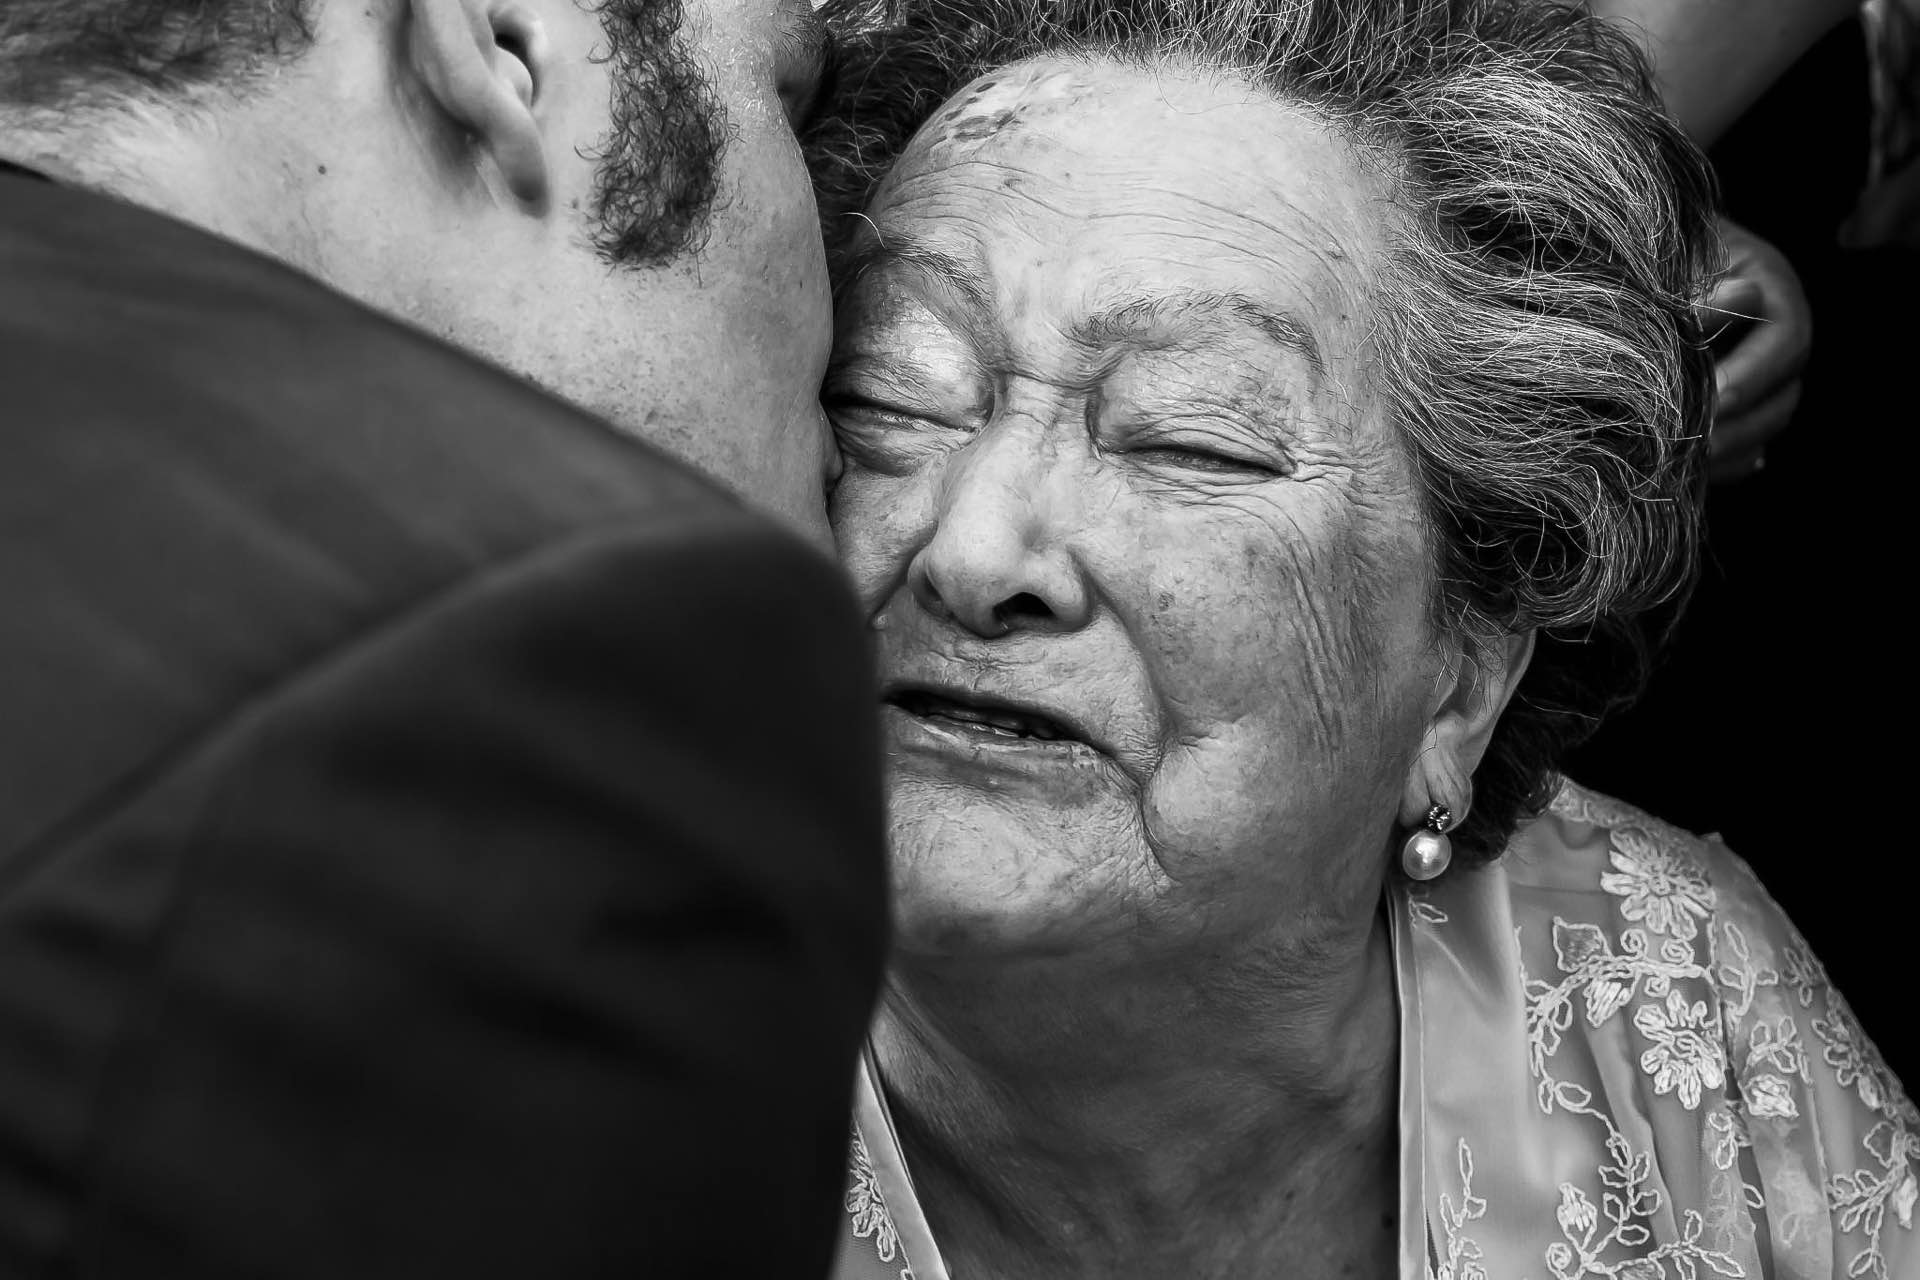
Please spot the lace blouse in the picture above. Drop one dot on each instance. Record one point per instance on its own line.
(1618, 1060)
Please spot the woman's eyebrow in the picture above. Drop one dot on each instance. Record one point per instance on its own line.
(896, 249)
(1168, 316)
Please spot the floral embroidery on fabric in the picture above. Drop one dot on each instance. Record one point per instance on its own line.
(1803, 973)
(1683, 1059)
(1861, 1197)
(1743, 973)
(1667, 896)
(1777, 1045)
(1733, 1199)
(1420, 903)
(1731, 1026)
(1606, 980)
(1596, 810)
(868, 1208)
(1661, 886)
(1462, 1258)
(1771, 1097)
(1854, 1060)
(1728, 1130)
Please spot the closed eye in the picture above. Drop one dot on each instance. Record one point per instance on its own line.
(841, 404)
(888, 438)
(1214, 461)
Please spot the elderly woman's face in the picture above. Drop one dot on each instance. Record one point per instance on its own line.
(1138, 540)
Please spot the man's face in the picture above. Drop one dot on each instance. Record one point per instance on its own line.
(676, 283)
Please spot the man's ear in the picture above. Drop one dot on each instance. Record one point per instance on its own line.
(483, 63)
(1474, 689)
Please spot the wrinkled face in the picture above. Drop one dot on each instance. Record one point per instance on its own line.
(1125, 506)
(715, 353)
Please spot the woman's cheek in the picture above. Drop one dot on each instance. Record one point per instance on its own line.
(1218, 807)
(872, 530)
(1249, 645)
(1213, 649)
(1215, 627)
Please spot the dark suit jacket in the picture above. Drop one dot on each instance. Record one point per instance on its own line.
(438, 836)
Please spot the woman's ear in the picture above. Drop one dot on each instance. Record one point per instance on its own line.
(483, 63)
(1473, 690)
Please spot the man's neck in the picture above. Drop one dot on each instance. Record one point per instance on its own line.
(197, 172)
(28, 155)
(1087, 1117)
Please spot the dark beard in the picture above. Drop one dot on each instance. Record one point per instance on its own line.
(659, 165)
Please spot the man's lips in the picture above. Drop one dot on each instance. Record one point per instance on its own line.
(989, 715)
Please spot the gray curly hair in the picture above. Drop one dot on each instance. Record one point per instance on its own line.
(1535, 331)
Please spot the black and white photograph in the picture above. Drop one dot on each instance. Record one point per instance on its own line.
(958, 639)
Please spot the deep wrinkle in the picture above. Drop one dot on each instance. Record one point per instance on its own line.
(1113, 455)
(1149, 344)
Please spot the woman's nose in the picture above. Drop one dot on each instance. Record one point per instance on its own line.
(998, 560)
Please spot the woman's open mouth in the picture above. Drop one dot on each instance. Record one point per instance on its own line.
(983, 716)
(951, 727)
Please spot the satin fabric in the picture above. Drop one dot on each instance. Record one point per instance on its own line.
(1619, 1061)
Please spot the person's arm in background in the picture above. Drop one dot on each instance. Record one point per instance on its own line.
(1713, 59)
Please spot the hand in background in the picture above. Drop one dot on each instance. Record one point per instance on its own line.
(1761, 328)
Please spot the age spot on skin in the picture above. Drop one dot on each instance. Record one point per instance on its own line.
(991, 105)
(980, 128)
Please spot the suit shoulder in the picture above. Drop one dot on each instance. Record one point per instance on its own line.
(216, 474)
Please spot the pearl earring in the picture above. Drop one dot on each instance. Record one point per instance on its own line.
(1428, 851)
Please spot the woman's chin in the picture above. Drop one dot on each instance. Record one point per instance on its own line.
(945, 932)
(973, 879)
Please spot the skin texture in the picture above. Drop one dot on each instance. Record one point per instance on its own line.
(1114, 455)
(436, 159)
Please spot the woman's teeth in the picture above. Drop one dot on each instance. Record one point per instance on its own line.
(1012, 724)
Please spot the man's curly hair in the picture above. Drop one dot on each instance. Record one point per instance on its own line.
(60, 54)
(1534, 330)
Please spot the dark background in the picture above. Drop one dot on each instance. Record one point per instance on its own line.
(1781, 715)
